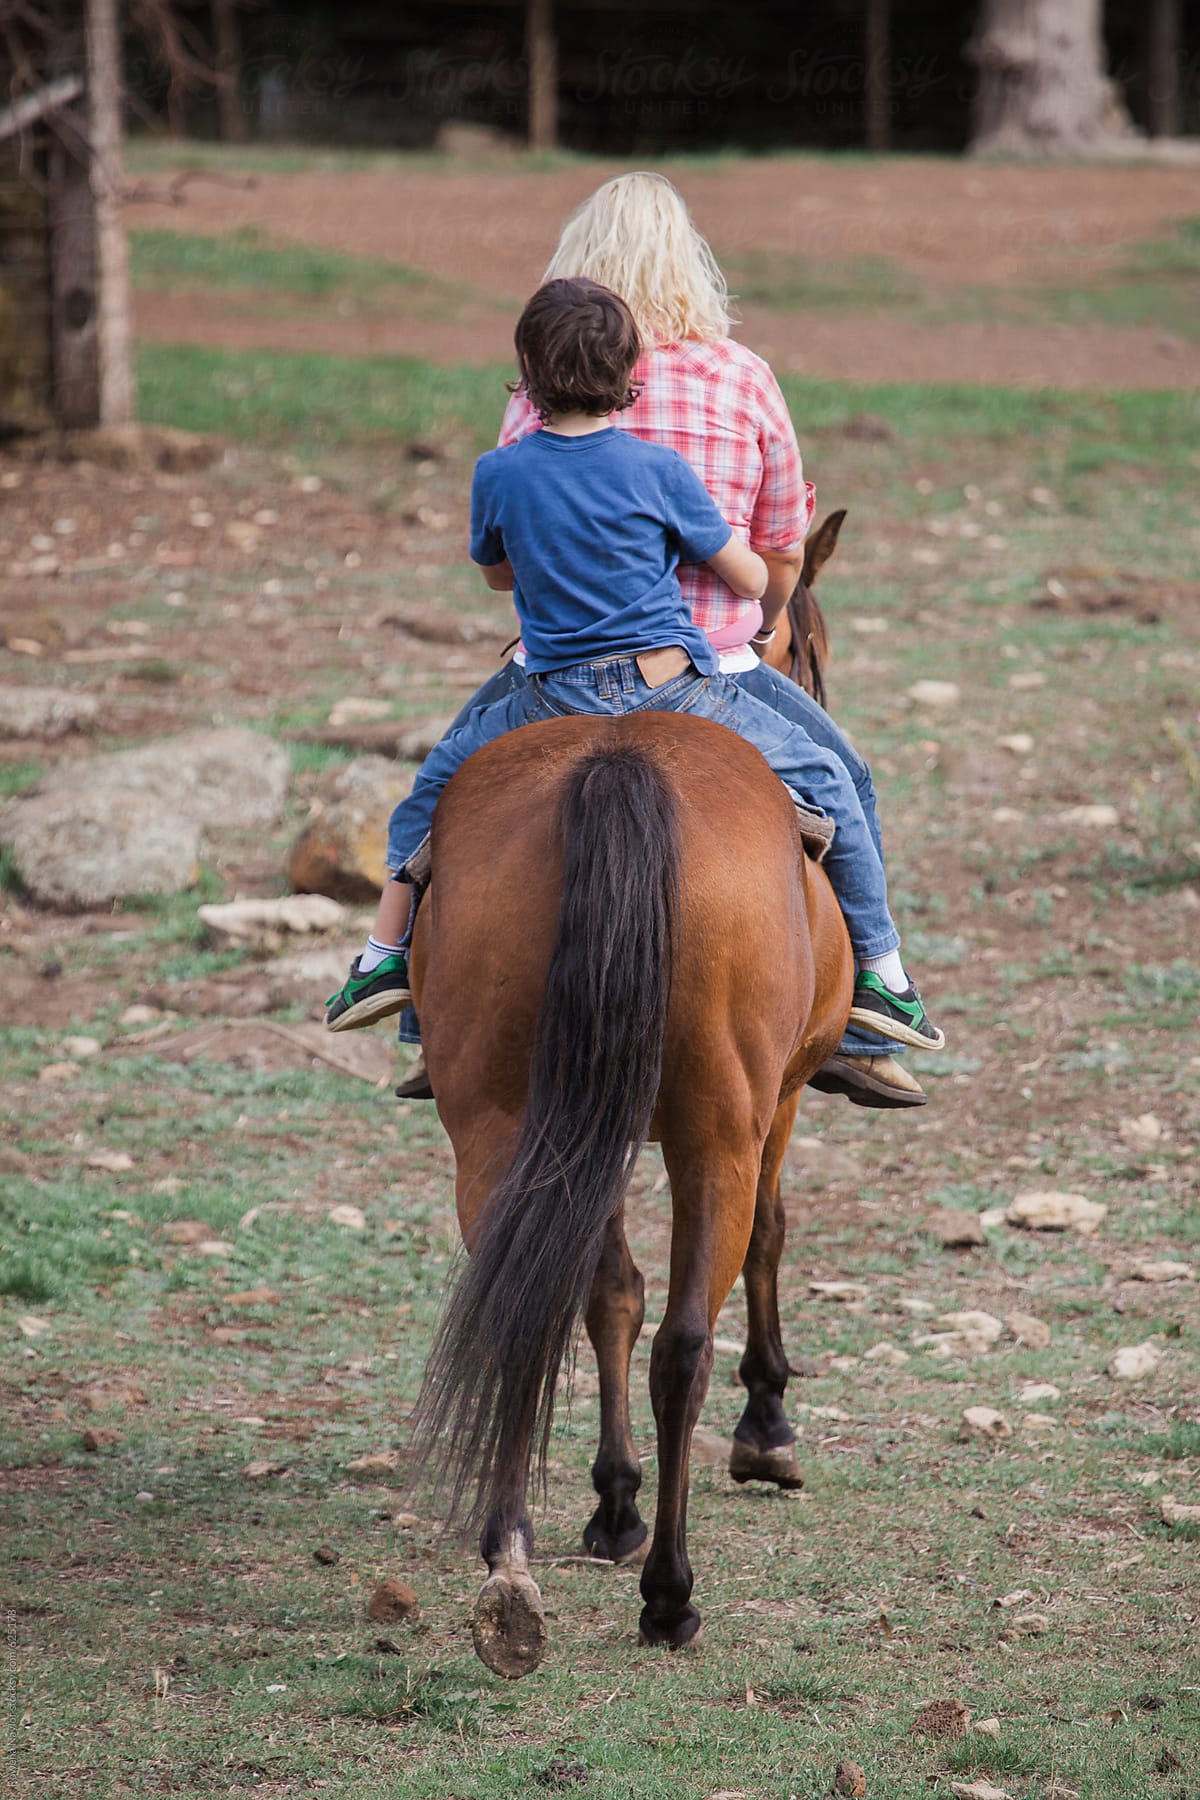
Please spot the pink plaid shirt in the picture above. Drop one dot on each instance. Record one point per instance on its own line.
(720, 406)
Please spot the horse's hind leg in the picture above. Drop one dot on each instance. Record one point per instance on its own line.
(509, 1626)
(713, 1193)
(614, 1320)
(764, 1444)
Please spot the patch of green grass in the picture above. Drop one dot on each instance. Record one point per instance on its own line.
(1155, 286)
(792, 282)
(164, 261)
(1178, 253)
(25, 1278)
(17, 777)
(10, 874)
(320, 403)
(1178, 1444)
(337, 401)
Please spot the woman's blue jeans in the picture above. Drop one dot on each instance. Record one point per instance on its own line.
(814, 770)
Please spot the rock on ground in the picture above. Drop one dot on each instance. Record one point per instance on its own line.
(44, 712)
(1028, 1330)
(1040, 1210)
(981, 1325)
(955, 1229)
(270, 922)
(341, 851)
(942, 1718)
(1135, 1362)
(1174, 1512)
(133, 822)
(986, 1423)
(393, 1601)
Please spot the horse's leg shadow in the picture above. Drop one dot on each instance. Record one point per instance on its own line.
(615, 1311)
(764, 1444)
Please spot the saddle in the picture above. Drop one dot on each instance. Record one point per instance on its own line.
(816, 831)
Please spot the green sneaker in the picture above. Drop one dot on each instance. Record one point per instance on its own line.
(899, 1016)
(365, 998)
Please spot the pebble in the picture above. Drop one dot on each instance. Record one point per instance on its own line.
(1028, 1330)
(973, 1325)
(1090, 818)
(1042, 1210)
(1135, 1361)
(393, 1600)
(352, 1218)
(374, 1466)
(59, 1071)
(1163, 1271)
(955, 1229)
(838, 1290)
(984, 1422)
(940, 695)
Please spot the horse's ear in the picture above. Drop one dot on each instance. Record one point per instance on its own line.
(821, 545)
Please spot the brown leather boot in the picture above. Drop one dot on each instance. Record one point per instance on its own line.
(415, 1085)
(869, 1081)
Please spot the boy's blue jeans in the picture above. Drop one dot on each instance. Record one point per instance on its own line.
(616, 685)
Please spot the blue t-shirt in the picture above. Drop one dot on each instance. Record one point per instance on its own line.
(595, 528)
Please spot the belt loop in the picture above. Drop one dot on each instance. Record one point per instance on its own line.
(604, 681)
(627, 667)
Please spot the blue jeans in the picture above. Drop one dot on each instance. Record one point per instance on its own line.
(783, 696)
(616, 685)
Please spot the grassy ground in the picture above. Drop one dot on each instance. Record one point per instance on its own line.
(168, 1628)
(1154, 283)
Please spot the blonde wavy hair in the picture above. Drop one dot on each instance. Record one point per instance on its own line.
(635, 235)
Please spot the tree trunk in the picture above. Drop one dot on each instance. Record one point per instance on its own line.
(542, 58)
(1162, 68)
(229, 71)
(1042, 88)
(107, 181)
(877, 97)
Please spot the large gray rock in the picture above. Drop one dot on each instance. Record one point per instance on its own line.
(133, 822)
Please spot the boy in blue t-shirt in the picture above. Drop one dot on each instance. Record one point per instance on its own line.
(586, 526)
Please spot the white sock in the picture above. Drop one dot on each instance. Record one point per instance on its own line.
(374, 954)
(889, 969)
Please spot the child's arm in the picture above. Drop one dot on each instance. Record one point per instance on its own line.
(742, 569)
(499, 576)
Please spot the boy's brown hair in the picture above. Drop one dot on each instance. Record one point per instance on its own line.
(577, 344)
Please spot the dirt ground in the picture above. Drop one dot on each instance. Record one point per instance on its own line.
(951, 225)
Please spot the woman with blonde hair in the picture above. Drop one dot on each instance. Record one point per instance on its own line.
(704, 394)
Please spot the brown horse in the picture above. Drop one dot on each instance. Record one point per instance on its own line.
(623, 940)
(800, 647)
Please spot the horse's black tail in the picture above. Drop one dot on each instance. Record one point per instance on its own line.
(597, 1057)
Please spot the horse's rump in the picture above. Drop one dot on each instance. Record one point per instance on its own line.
(744, 974)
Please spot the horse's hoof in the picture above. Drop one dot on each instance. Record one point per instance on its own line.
(778, 1465)
(509, 1627)
(621, 1547)
(687, 1629)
